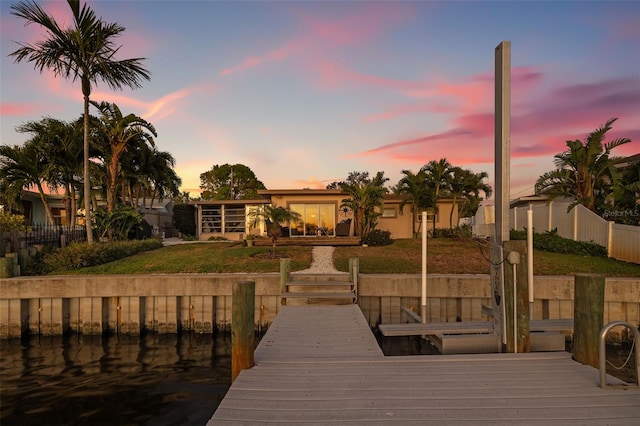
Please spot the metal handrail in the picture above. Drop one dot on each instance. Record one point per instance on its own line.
(602, 352)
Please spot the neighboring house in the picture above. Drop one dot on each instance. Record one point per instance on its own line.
(159, 217)
(320, 212)
(35, 213)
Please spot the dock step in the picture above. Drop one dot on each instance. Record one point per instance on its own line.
(449, 344)
(318, 295)
(334, 292)
(416, 329)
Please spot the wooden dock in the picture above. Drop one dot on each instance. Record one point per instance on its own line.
(321, 365)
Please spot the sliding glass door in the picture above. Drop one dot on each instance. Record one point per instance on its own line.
(316, 219)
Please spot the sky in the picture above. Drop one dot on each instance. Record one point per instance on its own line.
(305, 92)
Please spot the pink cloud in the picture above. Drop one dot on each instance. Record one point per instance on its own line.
(540, 123)
(275, 55)
(322, 36)
(17, 109)
(156, 109)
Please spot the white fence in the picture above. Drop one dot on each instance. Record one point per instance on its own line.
(580, 224)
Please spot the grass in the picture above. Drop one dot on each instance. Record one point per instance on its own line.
(445, 256)
(216, 257)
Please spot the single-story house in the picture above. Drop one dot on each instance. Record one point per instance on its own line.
(320, 211)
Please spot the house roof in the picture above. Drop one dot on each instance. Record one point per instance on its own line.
(304, 191)
(230, 202)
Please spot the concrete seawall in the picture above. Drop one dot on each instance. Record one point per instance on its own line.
(131, 304)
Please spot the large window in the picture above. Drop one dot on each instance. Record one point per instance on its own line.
(223, 218)
(317, 219)
(211, 219)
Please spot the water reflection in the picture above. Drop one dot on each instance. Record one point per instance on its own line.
(94, 380)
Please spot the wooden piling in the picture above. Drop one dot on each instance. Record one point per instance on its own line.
(242, 326)
(518, 341)
(285, 276)
(588, 316)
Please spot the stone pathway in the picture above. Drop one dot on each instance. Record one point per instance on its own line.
(322, 262)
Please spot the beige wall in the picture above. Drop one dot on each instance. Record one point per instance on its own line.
(163, 303)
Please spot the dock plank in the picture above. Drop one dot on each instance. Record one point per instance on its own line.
(321, 365)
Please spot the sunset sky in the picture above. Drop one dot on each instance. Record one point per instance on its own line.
(305, 92)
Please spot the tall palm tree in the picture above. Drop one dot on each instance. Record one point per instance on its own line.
(438, 175)
(86, 52)
(413, 189)
(584, 170)
(20, 168)
(119, 132)
(274, 217)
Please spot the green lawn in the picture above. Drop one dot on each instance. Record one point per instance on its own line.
(445, 256)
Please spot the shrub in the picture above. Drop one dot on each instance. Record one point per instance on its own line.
(12, 222)
(554, 243)
(184, 218)
(457, 232)
(82, 255)
(377, 238)
(117, 224)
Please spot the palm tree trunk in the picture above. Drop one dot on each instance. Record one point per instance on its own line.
(74, 206)
(453, 206)
(87, 184)
(111, 184)
(45, 202)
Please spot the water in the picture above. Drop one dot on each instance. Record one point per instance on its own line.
(141, 380)
(95, 380)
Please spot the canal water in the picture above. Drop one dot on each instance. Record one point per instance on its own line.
(116, 380)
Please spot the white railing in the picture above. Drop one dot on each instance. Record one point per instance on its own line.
(579, 224)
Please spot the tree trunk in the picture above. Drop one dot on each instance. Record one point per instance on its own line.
(453, 206)
(87, 184)
(45, 202)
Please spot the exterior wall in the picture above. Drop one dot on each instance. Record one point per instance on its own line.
(400, 225)
(201, 302)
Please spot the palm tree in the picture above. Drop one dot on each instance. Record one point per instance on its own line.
(474, 184)
(20, 168)
(438, 175)
(365, 198)
(84, 51)
(584, 170)
(273, 216)
(413, 189)
(60, 143)
(456, 188)
(119, 132)
(164, 181)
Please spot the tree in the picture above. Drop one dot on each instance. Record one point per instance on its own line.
(438, 174)
(230, 182)
(84, 51)
(585, 170)
(627, 196)
(120, 132)
(474, 184)
(366, 198)
(465, 186)
(60, 144)
(274, 217)
(20, 168)
(413, 189)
